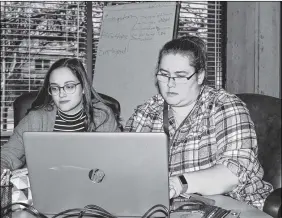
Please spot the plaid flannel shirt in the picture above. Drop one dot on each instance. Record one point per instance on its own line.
(218, 130)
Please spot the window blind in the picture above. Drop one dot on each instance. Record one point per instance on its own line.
(33, 36)
(205, 19)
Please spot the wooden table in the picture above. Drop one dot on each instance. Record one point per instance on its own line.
(246, 211)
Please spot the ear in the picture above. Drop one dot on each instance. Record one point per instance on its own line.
(201, 76)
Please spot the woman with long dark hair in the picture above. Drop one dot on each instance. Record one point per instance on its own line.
(68, 102)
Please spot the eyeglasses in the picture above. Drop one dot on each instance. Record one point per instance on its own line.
(178, 79)
(69, 88)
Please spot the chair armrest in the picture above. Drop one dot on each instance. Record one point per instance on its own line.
(272, 204)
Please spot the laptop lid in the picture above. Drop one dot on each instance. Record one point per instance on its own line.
(124, 173)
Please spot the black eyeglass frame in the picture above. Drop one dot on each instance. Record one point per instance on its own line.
(63, 87)
(173, 77)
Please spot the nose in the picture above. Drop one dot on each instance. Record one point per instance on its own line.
(62, 92)
(171, 82)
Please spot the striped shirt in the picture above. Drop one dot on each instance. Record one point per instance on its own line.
(218, 130)
(70, 123)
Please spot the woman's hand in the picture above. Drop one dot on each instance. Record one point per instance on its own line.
(175, 187)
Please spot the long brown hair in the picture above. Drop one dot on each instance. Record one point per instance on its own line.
(44, 100)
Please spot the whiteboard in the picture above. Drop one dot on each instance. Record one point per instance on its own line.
(130, 39)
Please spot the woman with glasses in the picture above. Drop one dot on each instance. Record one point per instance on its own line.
(212, 139)
(66, 102)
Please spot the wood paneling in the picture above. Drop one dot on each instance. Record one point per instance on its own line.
(253, 43)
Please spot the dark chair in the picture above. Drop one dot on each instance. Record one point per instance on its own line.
(23, 103)
(265, 112)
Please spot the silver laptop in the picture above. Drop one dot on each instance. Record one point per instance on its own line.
(124, 173)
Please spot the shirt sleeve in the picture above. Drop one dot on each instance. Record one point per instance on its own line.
(12, 153)
(144, 118)
(237, 150)
(135, 121)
